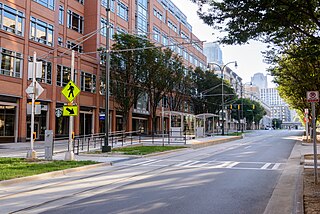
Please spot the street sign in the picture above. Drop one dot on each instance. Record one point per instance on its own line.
(312, 96)
(38, 92)
(58, 112)
(70, 110)
(70, 91)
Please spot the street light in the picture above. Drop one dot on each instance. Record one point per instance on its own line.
(222, 90)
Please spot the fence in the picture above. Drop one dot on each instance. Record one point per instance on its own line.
(93, 142)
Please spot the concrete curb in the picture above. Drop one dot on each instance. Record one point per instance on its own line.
(214, 141)
(51, 174)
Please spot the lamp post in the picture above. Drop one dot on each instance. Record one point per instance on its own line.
(222, 90)
(106, 147)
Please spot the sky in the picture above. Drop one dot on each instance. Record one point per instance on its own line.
(249, 57)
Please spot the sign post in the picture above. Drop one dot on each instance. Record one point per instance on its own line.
(34, 90)
(70, 91)
(313, 97)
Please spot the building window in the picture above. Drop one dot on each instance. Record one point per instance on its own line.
(61, 14)
(156, 34)
(46, 71)
(64, 75)
(88, 82)
(158, 14)
(11, 63)
(60, 41)
(47, 3)
(111, 4)
(75, 21)
(121, 30)
(122, 11)
(103, 26)
(11, 20)
(41, 32)
(74, 46)
(80, 1)
(172, 26)
(165, 40)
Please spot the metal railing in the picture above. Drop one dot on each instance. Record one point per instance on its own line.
(94, 142)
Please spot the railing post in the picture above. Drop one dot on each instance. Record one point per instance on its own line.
(78, 146)
(88, 145)
(123, 134)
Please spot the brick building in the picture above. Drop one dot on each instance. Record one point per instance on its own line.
(51, 28)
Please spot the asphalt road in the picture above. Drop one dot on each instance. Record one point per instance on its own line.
(234, 177)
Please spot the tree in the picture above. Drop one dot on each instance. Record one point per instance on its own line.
(296, 74)
(252, 110)
(207, 92)
(279, 22)
(126, 71)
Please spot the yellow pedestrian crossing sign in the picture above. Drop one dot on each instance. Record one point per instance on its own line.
(70, 91)
(70, 111)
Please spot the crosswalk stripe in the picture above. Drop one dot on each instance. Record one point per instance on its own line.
(143, 162)
(183, 163)
(192, 163)
(265, 166)
(232, 165)
(276, 166)
(156, 161)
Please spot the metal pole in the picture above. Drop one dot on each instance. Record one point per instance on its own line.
(32, 154)
(70, 155)
(222, 102)
(314, 135)
(162, 113)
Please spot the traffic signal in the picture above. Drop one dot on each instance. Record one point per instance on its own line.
(253, 106)
(238, 106)
(231, 106)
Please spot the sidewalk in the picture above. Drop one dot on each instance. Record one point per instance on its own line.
(287, 196)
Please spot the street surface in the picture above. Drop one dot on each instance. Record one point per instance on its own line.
(233, 177)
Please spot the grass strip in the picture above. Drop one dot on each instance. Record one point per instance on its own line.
(144, 150)
(19, 167)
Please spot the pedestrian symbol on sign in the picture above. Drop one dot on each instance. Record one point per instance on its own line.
(70, 91)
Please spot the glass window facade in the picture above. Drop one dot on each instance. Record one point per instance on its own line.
(7, 121)
(11, 63)
(64, 75)
(47, 3)
(41, 32)
(11, 20)
(142, 17)
(88, 82)
(122, 11)
(75, 21)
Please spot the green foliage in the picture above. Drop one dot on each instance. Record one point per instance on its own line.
(144, 150)
(18, 167)
(276, 123)
(252, 110)
(207, 92)
(296, 73)
(280, 22)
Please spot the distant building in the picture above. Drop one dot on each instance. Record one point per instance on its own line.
(213, 52)
(279, 108)
(259, 80)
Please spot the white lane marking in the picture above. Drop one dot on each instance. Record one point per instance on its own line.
(143, 162)
(232, 165)
(265, 166)
(192, 163)
(156, 161)
(183, 163)
(276, 166)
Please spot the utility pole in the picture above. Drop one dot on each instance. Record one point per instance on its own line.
(106, 147)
